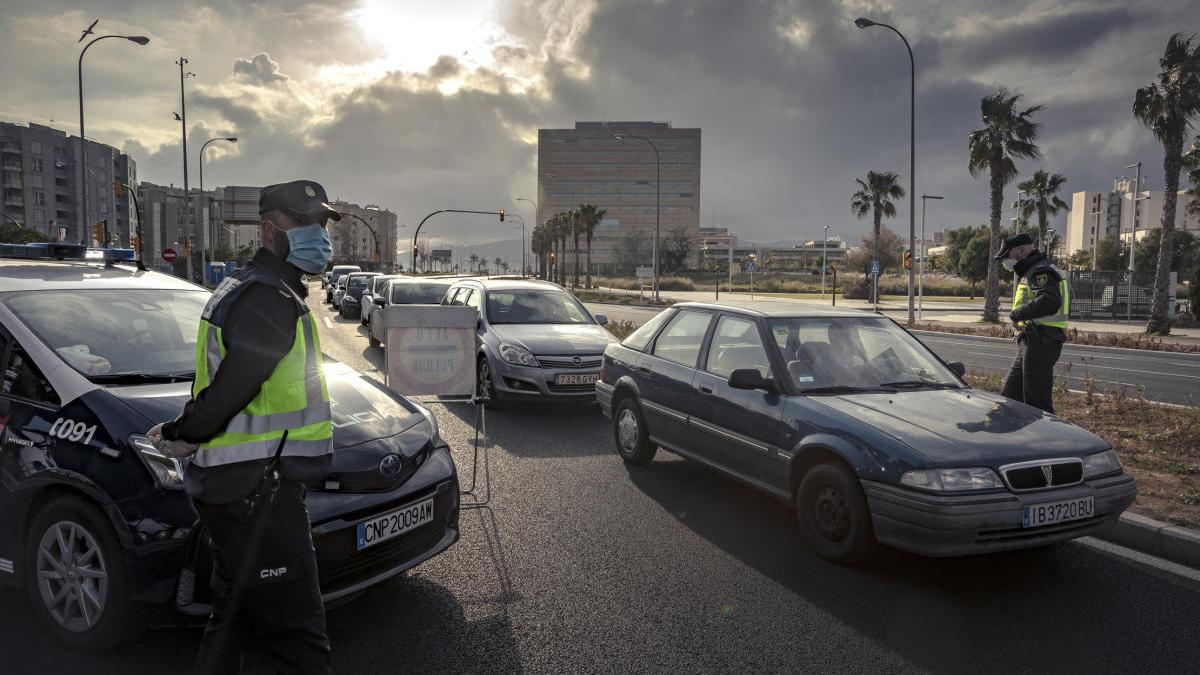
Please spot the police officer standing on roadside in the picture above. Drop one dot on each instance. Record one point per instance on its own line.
(1041, 302)
(259, 425)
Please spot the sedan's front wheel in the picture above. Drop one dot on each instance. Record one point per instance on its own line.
(833, 515)
(485, 384)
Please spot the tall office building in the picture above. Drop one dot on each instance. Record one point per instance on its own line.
(1116, 215)
(587, 164)
(42, 189)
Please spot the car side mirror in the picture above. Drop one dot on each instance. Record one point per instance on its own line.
(602, 320)
(381, 301)
(750, 378)
(957, 368)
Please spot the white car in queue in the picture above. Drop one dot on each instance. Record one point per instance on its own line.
(403, 291)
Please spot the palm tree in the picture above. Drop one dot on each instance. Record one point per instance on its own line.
(474, 258)
(537, 242)
(498, 260)
(1007, 134)
(503, 266)
(564, 231)
(589, 218)
(875, 196)
(1043, 200)
(1191, 162)
(1167, 107)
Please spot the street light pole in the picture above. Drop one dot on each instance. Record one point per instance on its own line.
(374, 236)
(522, 219)
(1133, 221)
(657, 203)
(417, 231)
(924, 251)
(189, 225)
(824, 259)
(136, 39)
(912, 152)
(535, 217)
(207, 230)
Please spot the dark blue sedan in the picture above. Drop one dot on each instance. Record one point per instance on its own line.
(865, 431)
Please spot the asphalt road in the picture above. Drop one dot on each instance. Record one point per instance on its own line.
(1161, 376)
(583, 564)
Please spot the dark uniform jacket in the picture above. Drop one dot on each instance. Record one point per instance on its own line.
(1043, 281)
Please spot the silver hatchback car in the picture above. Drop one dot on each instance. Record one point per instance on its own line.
(535, 340)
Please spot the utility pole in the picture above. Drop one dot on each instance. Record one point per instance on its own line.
(1133, 223)
(824, 259)
(188, 225)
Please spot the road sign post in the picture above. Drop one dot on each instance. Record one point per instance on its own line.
(875, 282)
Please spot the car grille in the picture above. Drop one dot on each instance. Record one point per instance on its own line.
(1033, 475)
(370, 561)
(570, 388)
(588, 361)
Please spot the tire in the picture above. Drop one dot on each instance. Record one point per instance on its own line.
(371, 339)
(485, 387)
(362, 317)
(630, 433)
(342, 311)
(110, 621)
(833, 515)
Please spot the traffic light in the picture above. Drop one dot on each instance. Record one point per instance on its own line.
(502, 215)
(98, 232)
(118, 189)
(908, 260)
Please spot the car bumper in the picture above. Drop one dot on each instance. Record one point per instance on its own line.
(344, 570)
(604, 396)
(950, 525)
(515, 382)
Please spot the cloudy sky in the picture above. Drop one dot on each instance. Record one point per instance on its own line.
(420, 104)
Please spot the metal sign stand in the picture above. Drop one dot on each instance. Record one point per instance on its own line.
(474, 499)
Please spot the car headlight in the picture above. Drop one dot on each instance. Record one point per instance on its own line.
(167, 471)
(1101, 463)
(435, 439)
(351, 298)
(518, 355)
(947, 480)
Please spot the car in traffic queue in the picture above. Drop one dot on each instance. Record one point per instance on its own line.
(402, 291)
(95, 521)
(863, 430)
(367, 300)
(535, 340)
(332, 287)
(337, 271)
(350, 291)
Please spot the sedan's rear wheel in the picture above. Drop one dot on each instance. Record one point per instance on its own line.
(833, 515)
(630, 432)
(75, 576)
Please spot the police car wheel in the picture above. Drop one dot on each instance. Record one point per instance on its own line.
(630, 433)
(833, 515)
(75, 576)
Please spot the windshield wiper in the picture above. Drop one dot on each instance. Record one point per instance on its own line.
(918, 384)
(142, 378)
(843, 389)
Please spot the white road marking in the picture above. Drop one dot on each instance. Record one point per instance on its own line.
(1141, 558)
(328, 323)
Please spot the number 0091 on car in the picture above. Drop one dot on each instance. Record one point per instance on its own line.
(1037, 515)
(394, 523)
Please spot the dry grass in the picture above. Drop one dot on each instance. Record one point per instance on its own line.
(1157, 444)
(620, 299)
(621, 329)
(1125, 340)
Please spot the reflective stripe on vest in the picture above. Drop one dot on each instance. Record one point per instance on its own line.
(1024, 296)
(294, 398)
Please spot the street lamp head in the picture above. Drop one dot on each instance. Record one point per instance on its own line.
(232, 139)
(140, 39)
(863, 23)
(932, 197)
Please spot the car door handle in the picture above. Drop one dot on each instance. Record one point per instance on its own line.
(644, 369)
(704, 388)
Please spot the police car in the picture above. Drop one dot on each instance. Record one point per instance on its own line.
(94, 523)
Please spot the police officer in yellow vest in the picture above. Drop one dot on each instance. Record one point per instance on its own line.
(259, 425)
(1040, 306)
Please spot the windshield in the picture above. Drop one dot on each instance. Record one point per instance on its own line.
(103, 333)
(358, 282)
(418, 294)
(534, 306)
(855, 352)
(378, 282)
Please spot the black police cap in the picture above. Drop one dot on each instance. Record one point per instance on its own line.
(304, 200)
(1013, 242)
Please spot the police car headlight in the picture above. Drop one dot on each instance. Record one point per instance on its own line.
(1101, 463)
(435, 435)
(518, 355)
(167, 471)
(946, 480)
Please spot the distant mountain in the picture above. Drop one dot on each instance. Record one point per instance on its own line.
(508, 250)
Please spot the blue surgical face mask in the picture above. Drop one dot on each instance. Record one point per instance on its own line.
(309, 247)
(1009, 264)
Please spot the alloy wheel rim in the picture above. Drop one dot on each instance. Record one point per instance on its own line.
(72, 576)
(627, 431)
(832, 514)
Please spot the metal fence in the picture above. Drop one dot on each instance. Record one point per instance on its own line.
(1114, 295)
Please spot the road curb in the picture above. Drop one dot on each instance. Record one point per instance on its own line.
(1154, 537)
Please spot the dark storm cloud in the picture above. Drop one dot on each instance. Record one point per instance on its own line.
(259, 70)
